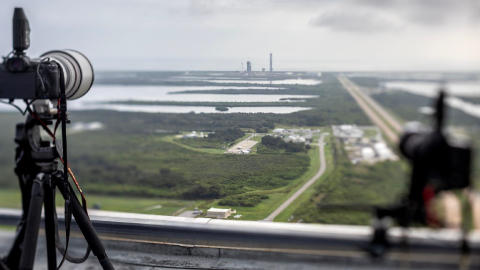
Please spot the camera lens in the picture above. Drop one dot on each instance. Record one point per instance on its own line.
(77, 70)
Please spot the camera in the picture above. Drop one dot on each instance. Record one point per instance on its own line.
(439, 160)
(31, 79)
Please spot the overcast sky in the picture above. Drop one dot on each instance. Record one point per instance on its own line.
(362, 35)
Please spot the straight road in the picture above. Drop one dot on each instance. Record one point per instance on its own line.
(323, 167)
(390, 133)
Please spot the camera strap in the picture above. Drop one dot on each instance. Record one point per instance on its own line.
(68, 202)
(3, 266)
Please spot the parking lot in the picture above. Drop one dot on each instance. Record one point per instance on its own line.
(242, 146)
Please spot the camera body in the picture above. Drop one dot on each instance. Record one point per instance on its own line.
(24, 78)
(42, 78)
(440, 161)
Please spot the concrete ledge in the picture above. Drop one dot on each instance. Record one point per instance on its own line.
(206, 232)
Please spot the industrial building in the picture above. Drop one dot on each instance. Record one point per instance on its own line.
(219, 213)
(362, 148)
(249, 67)
(295, 139)
(347, 131)
(271, 62)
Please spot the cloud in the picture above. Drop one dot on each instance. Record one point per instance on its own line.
(427, 12)
(202, 7)
(350, 20)
(388, 15)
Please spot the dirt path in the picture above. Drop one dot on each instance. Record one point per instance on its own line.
(323, 167)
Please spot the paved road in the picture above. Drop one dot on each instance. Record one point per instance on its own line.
(323, 167)
(376, 119)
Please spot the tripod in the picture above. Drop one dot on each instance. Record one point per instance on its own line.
(36, 168)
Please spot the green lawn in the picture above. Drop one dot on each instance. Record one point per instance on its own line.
(370, 133)
(11, 199)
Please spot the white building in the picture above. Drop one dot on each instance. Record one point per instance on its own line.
(191, 135)
(368, 153)
(347, 131)
(219, 213)
(383, 151)
(295, 139)
(279, 130)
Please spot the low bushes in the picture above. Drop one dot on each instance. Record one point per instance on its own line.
(248, 200)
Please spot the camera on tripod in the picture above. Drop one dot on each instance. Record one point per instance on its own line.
(31, 79)
(440, 162)
(57, 76)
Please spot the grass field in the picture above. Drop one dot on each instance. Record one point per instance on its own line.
(276, 196)
(11, 199)
(346, 185)
(370, 133)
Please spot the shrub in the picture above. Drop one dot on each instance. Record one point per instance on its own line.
(248, 200)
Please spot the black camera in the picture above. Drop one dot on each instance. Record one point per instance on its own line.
(30, 79)
(22, 78)
(439, 161)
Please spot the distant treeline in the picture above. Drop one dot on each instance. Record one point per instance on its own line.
(279, 143)
(335, 106)
(227, 135)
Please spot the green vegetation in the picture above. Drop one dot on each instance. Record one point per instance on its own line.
(406, 106)
(217, 140)
(354, 185)
(334, 106)
(365, 81)
(304, 199)
(201, 143)
(475, 100)
(136, 154)
(148, 166)
(10, 198)
(227, 135)
(219, 105)
(248, 200)
(276, 196)
(276, 143)
(7, 228)
(221, 108)
(370, 133)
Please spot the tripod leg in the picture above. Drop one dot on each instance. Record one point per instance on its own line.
(87, 229)
(33, 224)
(13, 259)
(50, 224)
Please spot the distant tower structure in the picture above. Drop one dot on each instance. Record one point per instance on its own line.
(242, 67)
(271, 62)
(249, 67)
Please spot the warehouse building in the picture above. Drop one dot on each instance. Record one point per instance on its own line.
(219, 213)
